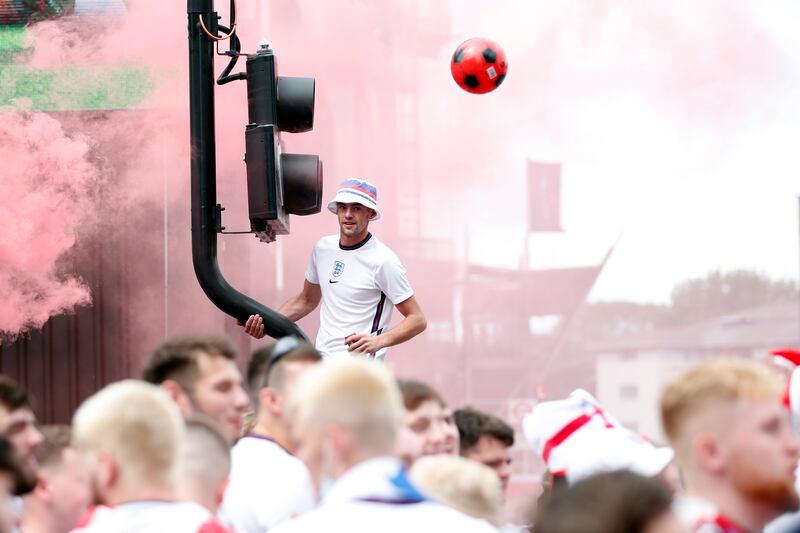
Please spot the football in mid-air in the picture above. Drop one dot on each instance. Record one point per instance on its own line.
(479, 65)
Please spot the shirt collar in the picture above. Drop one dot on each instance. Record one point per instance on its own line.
(380, 480)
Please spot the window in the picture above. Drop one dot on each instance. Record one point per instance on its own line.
(629, 392)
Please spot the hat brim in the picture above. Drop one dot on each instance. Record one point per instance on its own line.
(347, 197)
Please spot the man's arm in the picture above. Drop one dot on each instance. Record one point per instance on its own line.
(412, 325)
(302, 304)
(294, 309)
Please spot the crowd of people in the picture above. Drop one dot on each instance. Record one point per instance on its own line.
(324, 438)
(299, 444)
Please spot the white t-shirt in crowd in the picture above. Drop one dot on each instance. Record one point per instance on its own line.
(267, 485)
(360, 285)
(376, 496)
(153, 517)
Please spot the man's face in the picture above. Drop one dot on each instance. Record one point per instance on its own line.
(70, 486)
(430, 429)
(760, 454)
(19, 427)
(493, 453)
(219, 393)
(353, 219)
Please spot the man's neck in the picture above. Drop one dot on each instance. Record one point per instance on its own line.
(37, 519)
(152, 492)
(272, 429)
(752, 516)
(348, 242)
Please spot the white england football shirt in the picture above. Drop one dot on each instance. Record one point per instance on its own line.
(267, 485)
(360, 286)
(374, 496)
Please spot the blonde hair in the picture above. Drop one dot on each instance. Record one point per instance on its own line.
(713, 384)
(462, 484)
(138, 425)
(205, 460)
(358, 394)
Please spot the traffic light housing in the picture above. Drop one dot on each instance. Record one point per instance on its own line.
(278, 183)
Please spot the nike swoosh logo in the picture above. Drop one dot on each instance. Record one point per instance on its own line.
(331, 281)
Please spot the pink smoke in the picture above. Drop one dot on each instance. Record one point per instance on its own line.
(48, 183)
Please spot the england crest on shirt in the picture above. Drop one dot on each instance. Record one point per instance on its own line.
(338, 268)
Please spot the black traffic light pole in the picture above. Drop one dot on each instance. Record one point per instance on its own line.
(204, 184)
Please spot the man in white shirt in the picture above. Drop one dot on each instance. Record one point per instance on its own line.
(132, 434)
(358, 279)
(268, 484)
(734, 444)
(345, 416)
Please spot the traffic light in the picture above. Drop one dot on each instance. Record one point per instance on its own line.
(278, 184)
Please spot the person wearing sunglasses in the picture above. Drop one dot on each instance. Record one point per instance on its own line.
(267, 483)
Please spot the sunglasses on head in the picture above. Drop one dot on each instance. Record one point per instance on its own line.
(283, 347)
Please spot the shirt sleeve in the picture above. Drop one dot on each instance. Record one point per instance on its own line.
(311, 270)
(392, 280)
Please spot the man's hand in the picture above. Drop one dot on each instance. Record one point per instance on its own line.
(254, 326)
(359, 343)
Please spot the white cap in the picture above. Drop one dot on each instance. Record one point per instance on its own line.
(576, 438)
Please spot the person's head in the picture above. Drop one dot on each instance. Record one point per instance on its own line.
(428, 426)
(486, 439)
(355, 205)
(131, 434)
(612, 502)
(18, 425)
(462, 484)
(64, 490)
(288, 361)
(344, 413)
(200, 374)
(731, 435)
(255, 371)
(205, 463)
(11, 483)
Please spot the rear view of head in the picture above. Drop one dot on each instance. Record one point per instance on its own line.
(731, 435)
(205, 463)
(613, 502)
(428, 426)
(201, 375)
(486, 439)
(344, 413)
(64, 490)
(465, 485)
(131, 433)
(281, 373)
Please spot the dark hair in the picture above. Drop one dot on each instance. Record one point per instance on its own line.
(612, 502)
(12, 396)
(176, 359)
(415, 393)
(55, 439)
(284, 352)
(256, 369)
(473, 424)
(10, 465)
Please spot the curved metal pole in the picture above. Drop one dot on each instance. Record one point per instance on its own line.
(204, 183)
